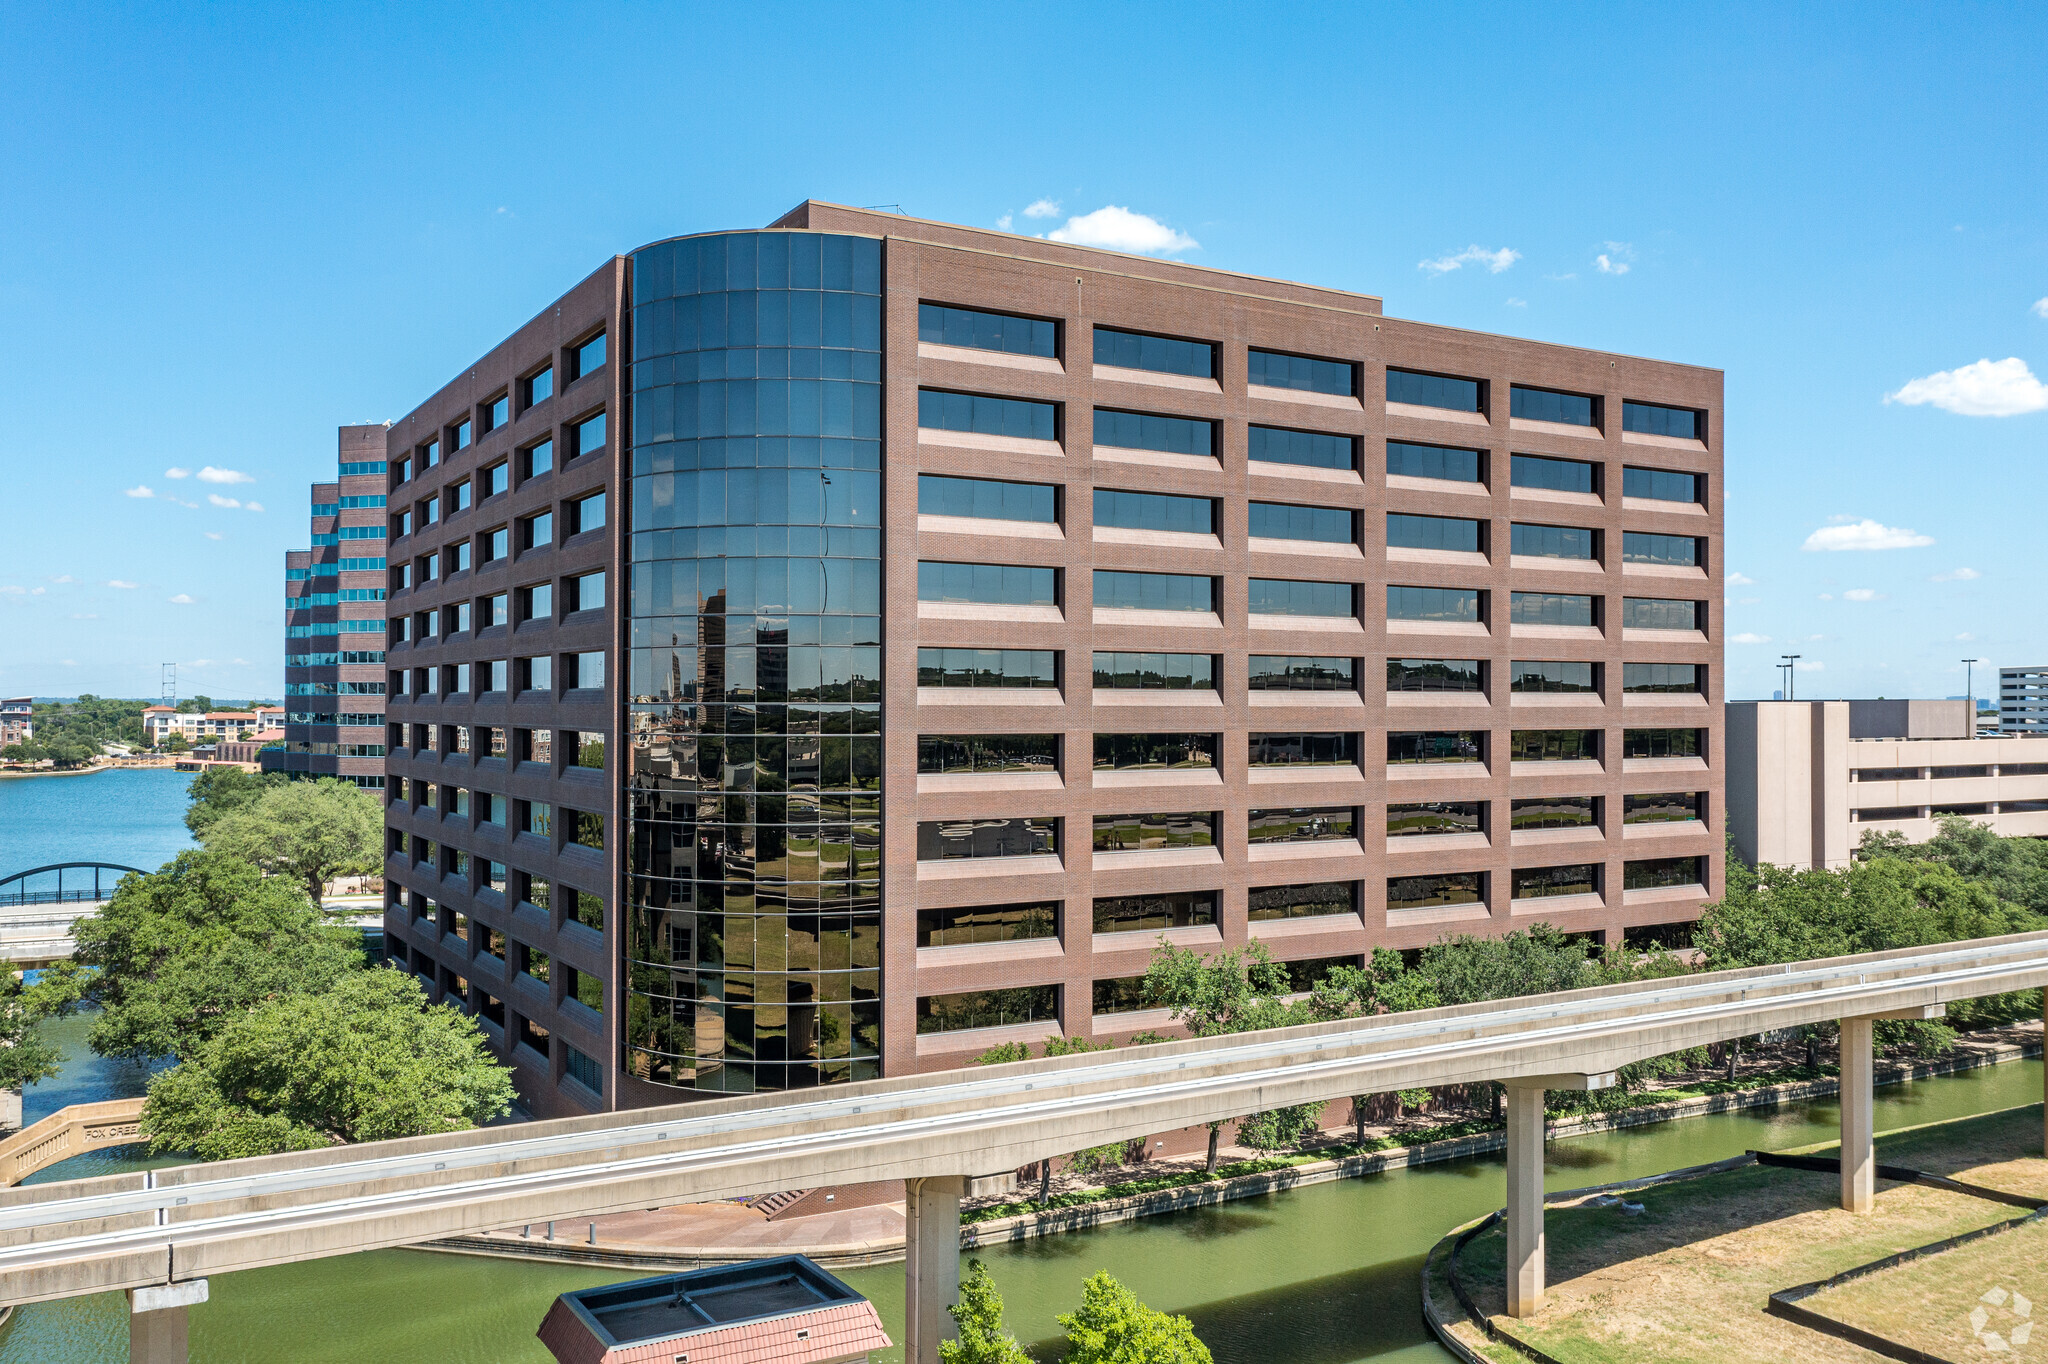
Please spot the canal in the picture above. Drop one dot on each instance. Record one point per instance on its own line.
(1323, 1275)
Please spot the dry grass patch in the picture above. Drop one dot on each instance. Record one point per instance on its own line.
(1687, 1278)
(1978, 1299)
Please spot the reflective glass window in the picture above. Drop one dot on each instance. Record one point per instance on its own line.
(1408, 531)
(1154, 591)
(974, 329)
(1160, 354)
(1556, 475)
(1660, 485)
(1548, 405)
(1456, 604)
(1655, 419)
(1550, 608)
(1149, 431)
(1282, 597)
(1289, 521)
(986, 498)
(1155, 511)
(1309, 449)
(1273, 369)
(1433, 390)
(988, 416)
(1553, 542)
(1657, 613)
(1641, 547)
(1409, 460)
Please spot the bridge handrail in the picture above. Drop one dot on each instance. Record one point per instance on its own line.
(298, 1205)
(47, 1141)
(20, 878)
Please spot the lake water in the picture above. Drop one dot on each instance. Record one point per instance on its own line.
(130, 816)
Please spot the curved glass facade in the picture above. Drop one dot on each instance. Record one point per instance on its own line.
(753, 905)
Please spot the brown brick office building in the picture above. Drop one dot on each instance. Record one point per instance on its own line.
(827, 651)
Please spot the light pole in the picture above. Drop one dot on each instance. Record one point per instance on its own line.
(1790, 659)
(1970, 694)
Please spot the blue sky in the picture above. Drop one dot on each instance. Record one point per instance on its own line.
(229, 229)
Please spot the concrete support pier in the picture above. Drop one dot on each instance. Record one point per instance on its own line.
(1859, 1149)
(1525, 1182)
(157, 1324)
(931, 1264)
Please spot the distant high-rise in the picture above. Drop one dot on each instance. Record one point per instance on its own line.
(830, 650)
(334, 624)
(2023, 700)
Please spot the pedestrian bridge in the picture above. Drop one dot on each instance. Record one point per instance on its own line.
(39, 906)
(160, 1233)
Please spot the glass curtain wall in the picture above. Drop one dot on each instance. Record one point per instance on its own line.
(753, 880)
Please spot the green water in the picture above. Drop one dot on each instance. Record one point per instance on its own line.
(1323, 1275)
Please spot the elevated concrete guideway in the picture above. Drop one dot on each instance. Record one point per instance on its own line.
(945, 1132)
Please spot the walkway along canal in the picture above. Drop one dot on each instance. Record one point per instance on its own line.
(1320, 1275)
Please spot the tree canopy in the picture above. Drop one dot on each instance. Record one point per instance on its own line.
(26, 1056)
(311, 831)
(181, 950)
(364, 1060)
(223, 790)
(978, 1318)
(1113, 1327)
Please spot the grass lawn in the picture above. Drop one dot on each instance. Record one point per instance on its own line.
(1951, 1304)
(1686, 1279)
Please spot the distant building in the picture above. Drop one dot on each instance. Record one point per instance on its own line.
(787, 1310)
(160, 722)
(334, 625)
(1807, 779)
(2023, 700)
(16, 724)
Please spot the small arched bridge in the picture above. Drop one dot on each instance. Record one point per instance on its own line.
(38, 907)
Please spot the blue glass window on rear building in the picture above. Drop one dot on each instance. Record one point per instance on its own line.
(1557, 475)
(1660, 485)
(1456, 533)
(1272, 369)
(973, 329)
(1146, 431)
(987, 498)
(1154, 591)
(1155, 511)
(1160, 354)
(1289, 521)
(1548, 405)
(1280, 597)
(1309, 449)
(1408, 460)
(1433, 390)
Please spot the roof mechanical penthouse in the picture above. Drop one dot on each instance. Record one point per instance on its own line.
(829, 650)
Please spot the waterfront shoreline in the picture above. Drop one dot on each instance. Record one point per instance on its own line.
(849, 1254)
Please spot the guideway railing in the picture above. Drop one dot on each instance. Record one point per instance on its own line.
(159, 1234)
(100, 879)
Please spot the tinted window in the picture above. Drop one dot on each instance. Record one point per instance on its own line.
(1302, 824)
(586, 358)
(1641, 547)
(941, 411)
(1545, 405)
(1155, 511)
(1662, 743)
(1554, 745)
(1432, 390)
(987, 923)
(1302, 902)
(951, 840)
(1280, 597)
(1432, 461)
(1121, 671)
(1138, 833)
(999, 584)
(987, 498)
(1658, 613)
(1660, 807)
(1657, 872)
(1436, 746)
(1433, 603)
(1027, 668)
(1655, 420)
(1152, 913)
(1405, 531)
(1137, 752)
(1422, 818)
(1662, 485)
(1144, 431)
(946, 753)
(1155, 591)
(1294, 672)
(1310, 449)
(989, 1009)
(1271, 369)
(1553, 542)
(1552, 677)
(1654, 677)
(1303, 750)
(944, 326)
(1560, 475)
(1424, 892)
(1550, 608)
(1285, 521)
(587, 437)
(1433, 674)
(1535, 883)
(1161, 354)
(1552, 812)
(541, 386)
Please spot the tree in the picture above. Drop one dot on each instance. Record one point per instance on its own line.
(978, 1317)
(311, 831)
(179, 951)
(1113, 1327)
(195, 705)
(222, 790)
(366, 1060)
(174, 742)
(26, 1057)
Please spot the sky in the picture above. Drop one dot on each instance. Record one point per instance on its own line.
(227, 229)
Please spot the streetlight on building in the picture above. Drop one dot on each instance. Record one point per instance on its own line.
(1790, 659)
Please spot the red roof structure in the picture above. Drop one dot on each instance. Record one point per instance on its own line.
(780, 1311)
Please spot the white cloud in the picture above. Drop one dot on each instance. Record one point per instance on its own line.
(175, 472)
(1827, 596)
(1567, 275)
(252, 506)
(10, 590)
(1042, 208)
(1865, 534)
(220, 501)
(214, 535)
(183, 599)
(116, 582)
(1518, 303)
(1003, 223)
(1609, 267)
(139, 490)
(68, 662)
(1616, 260)
(1494, 261)
(1862, 594)
(63, 578)
(89, 615)
(2040, 308)
(1965, 637)
(1813, 667)
(1739, 580)
(1747, 638)
(241, 663)
(1957, 575)
(1989, 388)
(1119, 229)
(212, 475)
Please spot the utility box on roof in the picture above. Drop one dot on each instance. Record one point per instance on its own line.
(780, 1311)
